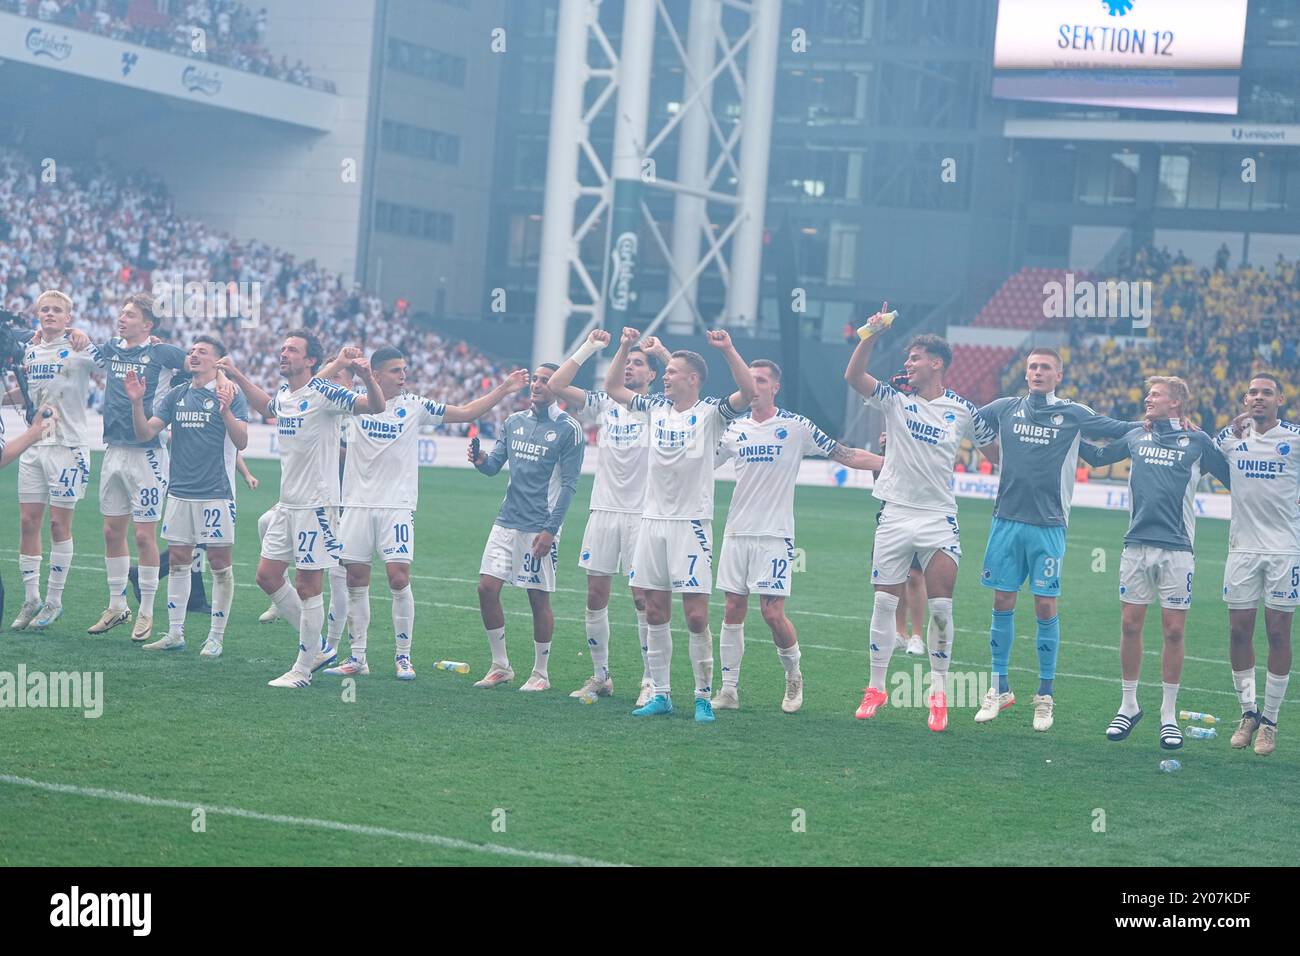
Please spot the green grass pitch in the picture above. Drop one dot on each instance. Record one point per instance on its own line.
(436, 772)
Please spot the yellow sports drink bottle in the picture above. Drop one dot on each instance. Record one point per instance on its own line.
(868, 330)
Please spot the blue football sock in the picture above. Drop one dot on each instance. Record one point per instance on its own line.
(1001, 634)
(1049, 642)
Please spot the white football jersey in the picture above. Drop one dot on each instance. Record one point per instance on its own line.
(59, 376)
(1265, 489)
(382, 468)
(768, 455)
(923, 441)
(624, 448)
(308, 436)
(679, 476)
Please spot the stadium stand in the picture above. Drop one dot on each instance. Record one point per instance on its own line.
(233, 34)
(99, 236)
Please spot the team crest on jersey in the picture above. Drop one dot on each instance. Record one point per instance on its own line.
(207, 403)
(144, 360)
(692, 420)
(949, 417)
(1184, 441)
(782, 433)
(64, 353)
(550, 436)
(302, 406)
(1058, 419)
(1284, 449)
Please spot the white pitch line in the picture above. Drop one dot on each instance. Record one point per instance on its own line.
(429, 839)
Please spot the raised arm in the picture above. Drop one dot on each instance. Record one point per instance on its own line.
(615, 387)
(739, 400)
(258, 400)
(859, 379)
(562, 379)
(373, 402)
(472, 411)
(146, 429)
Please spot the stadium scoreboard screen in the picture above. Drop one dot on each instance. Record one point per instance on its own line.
(1178, 55)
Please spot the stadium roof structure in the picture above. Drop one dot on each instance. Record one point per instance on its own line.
(55, 47)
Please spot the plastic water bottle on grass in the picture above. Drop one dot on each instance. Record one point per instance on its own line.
(1170, 766)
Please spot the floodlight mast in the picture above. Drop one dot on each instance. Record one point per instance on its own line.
(720, 200)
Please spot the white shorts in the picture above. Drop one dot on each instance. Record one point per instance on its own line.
(387, 532)
(303, 537)
(673, 555)
(609, 542)
(756, 564)
(1274, 577)
(904, 534)
(1145, 571)
(133, 481)
(508, 555)
(55, 474)
(199, 522)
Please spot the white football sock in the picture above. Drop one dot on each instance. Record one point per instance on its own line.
(1169, 704)
(497, 642)
(939, 640)
(642, 637)
(659, 643)
(1129, 706)
(701, 651)
(289, 605)
(882, 637)
(311, 620)
(178, 599)
(147, 574)
(1274, 692)
(359, 620)
(403, 619)
(1244, 682)
(60, 564)
(223, 595)
(118, 569)
(598, 641)
(337, 619)
(541, 657)
(29, 566)
(731, 648)
(789, 659)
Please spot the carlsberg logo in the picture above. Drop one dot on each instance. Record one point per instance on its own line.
(103, 909)
(624, 256)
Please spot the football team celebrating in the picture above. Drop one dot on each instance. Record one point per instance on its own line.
(350, 476)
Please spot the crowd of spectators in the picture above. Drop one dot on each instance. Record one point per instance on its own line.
(1214, 327)
(99, 236)
(233, 35)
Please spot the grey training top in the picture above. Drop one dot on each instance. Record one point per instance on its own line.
(1167, 466)
(154, 363)
(545, 455)
(1039, 436)
(202, 454)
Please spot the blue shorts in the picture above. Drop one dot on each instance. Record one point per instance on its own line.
(1017, 551)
